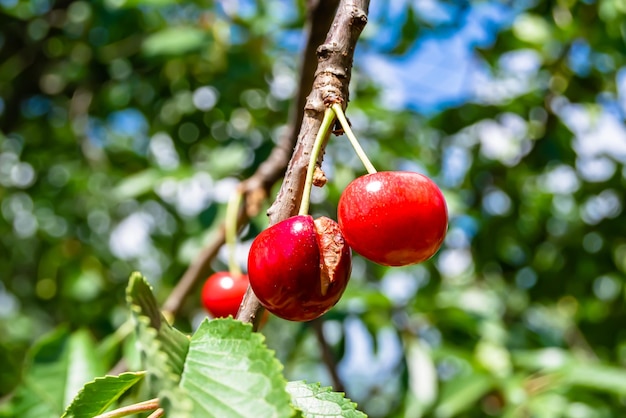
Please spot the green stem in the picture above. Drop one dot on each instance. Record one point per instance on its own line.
(232, 212)
(327, 122)
(131, 409)
(355, 142)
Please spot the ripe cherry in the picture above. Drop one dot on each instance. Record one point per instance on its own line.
(223, 292)
(299, 268)
(393, 218)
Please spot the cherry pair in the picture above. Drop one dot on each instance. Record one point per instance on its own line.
(299, 268)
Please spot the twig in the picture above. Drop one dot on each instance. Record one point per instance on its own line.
(332, 78)
(256, 188)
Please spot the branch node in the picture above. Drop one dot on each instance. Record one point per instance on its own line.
(324, 51)
(359, 16)
(332, 96)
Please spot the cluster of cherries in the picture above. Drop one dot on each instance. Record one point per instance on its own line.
(299, 268)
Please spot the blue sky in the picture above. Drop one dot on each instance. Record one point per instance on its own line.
(437, 71)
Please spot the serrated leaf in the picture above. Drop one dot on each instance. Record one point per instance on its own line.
(174, 344)
(174, 41)
(230, 373)
(164, 347)
(56, 367)
(97, 395)
(315, 401)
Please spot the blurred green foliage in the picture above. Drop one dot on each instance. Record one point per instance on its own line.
(125, 124)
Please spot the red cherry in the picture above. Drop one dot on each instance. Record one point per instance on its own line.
(299, 268)
(223, 292)
(393, 218)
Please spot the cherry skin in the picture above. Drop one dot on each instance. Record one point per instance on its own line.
(223, 292)
(393, 218)
(299, 268)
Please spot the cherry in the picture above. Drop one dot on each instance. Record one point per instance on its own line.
(222, 293)
(393, 218)
(299, 268)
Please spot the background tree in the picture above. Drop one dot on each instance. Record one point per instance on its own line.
(126, 125)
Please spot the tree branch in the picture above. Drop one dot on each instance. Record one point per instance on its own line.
(332, 79)
(256, 188)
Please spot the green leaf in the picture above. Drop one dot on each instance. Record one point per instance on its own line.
(164, 347)
(152, 323)
(82, 363)
(137, 184)
(174, 41)
(460, 394)
(567, 371)
(599, 377)
(97, 395)
(55, 370)
(230, 373)
(316, 401)
(542, 359)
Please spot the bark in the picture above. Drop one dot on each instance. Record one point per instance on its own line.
(332, 79)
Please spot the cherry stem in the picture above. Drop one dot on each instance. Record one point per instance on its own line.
(132, 409)
(157, 414)
(327, 122)
(355, 142)
(232, 212)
